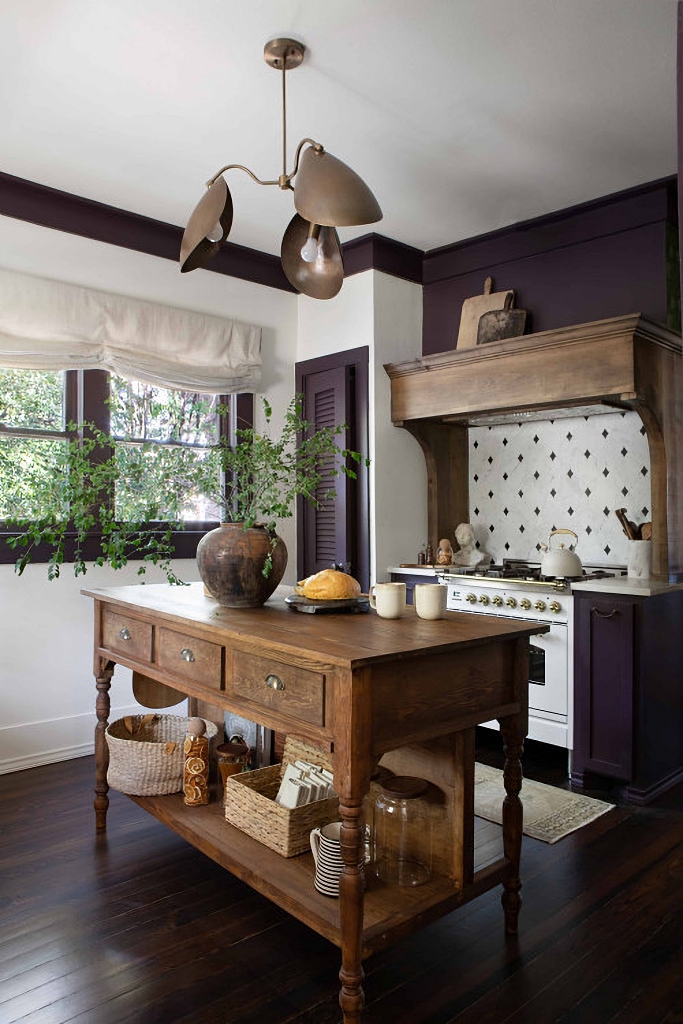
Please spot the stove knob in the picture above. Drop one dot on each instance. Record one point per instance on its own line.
(471, 599)
(555, 606)
(525, 603)
(511, 602)
(497, 600)
(539, 606)
(483, 599)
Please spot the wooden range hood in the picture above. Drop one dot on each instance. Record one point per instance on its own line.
(625, 362)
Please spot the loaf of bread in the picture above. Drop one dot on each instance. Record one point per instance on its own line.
(328, 585)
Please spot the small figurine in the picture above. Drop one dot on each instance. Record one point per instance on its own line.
(444, 552)
(196, 767)
(468, 554)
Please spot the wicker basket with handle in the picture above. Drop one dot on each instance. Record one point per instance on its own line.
(250, 803)
(146, 753)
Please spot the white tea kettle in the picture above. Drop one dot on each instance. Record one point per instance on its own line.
(561, 560)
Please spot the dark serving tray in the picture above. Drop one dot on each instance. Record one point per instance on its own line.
(304, 604)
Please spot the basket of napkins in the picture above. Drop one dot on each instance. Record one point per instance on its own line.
(280, 804)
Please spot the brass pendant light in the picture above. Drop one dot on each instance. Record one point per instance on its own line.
(327, 194)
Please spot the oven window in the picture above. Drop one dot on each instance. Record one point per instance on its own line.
(536, 665)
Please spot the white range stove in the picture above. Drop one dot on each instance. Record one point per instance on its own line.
(516, 590)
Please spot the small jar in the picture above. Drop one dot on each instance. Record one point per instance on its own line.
(232, 758)
(402, 832)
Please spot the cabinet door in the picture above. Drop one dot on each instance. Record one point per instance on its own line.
(603, 686)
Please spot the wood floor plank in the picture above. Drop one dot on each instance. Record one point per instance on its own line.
(136, 927)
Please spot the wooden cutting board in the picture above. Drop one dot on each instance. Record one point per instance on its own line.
(473, 308)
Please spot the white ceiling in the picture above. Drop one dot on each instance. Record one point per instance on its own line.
(462, 115)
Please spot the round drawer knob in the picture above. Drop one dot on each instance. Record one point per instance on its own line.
(186, 654)
(274, 682)
(124, 633)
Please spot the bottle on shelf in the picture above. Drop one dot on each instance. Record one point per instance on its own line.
(196, 766)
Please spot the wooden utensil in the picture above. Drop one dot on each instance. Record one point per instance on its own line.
(627, 526)
(472, 310)
(498, 324)
(646, 531)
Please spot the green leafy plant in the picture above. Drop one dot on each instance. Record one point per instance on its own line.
(253, 481)
(263, 475)
(75, 502)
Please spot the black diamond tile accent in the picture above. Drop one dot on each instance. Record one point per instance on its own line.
(476, 477)
(505, 476)
(505, 511)
(588, 530)
(624, 451)
(521, 529)
(476, 444)
(569, 436)
(644, 510)
(605, 432)
(605, 471)
(642, 430)
(507, 546)
(490, 494)
(490, 459)
(606, 511)
(644, 471)
(536, 475)
(607, 549)
(570, 473)
(520, 493)
(505, 440)
(624, 491)
(491, 528)
(553, 456)
(587, 492)
(553, 492)
(536, 439)
(520, 457)
(537, 511)
(570, 511)
(587, 454)
(476, 511)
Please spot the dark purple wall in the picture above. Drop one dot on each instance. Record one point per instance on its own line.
(601, 259)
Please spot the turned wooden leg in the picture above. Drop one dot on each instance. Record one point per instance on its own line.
(351, 887)
(513, 814)
(102, 706)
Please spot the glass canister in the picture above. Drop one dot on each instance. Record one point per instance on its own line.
(233, 757)
(402, 832)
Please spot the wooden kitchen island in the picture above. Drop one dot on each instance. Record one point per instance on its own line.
(361, 688)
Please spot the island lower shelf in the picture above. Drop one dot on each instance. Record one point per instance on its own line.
(389, 912)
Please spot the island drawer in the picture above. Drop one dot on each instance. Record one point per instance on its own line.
(190, 658)
(287, 689)
(127, 636)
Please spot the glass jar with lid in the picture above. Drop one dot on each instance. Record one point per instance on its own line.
(403, 831)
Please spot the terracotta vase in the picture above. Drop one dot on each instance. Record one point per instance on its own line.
(230, 560)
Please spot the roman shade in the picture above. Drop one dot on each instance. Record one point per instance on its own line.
(51, 325)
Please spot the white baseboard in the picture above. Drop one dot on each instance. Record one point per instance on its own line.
(59, 739)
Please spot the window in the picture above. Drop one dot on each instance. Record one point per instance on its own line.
(36, 408)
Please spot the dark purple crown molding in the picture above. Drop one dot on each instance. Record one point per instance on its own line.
(51, 208)
(609, 215)
(376, 252)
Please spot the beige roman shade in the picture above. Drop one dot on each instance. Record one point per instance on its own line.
(50, 325)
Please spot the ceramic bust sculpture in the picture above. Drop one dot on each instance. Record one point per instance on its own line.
(468, 554)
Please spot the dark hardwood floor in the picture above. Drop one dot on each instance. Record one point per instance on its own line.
(136, 926)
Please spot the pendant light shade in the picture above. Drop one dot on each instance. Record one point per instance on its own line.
(328, 192)
(320, 277)
(209, 225)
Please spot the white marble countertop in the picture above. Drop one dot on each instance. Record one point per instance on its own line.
(412, 570)
(630, 586)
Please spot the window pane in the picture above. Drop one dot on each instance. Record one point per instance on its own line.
(144, 412)
(32, 399)
(28, 466)
(159, 477)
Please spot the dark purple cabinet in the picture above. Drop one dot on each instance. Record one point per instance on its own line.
(628, 691)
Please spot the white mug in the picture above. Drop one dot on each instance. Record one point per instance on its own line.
(430, 600)
(388, 599)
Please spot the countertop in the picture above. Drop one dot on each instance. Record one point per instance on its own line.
(630, 586)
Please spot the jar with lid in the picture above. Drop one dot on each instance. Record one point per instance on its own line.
(403, 831)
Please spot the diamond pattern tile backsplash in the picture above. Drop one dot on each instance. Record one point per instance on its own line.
(529, 478)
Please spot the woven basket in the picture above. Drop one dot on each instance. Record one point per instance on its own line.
(250, 803)
(146, 753)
